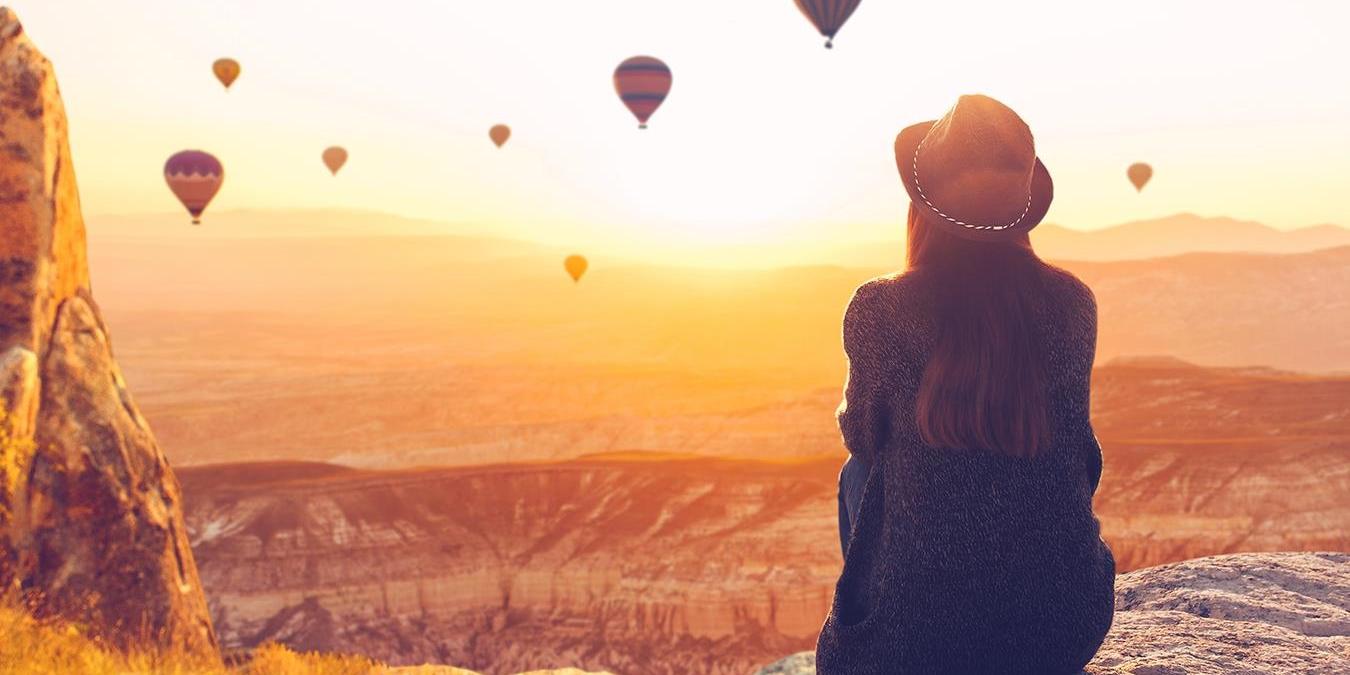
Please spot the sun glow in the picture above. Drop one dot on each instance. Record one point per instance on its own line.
(765, 136)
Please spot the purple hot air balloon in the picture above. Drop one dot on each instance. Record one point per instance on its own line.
(195, 177)
(828, 16)
(642, 83)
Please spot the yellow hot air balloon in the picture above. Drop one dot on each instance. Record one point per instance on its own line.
(576, 266)
(499, 134)
(334, 158)
(226, 71)
(1139, 174)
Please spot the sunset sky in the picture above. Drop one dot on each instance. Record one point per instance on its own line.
(1242, 107)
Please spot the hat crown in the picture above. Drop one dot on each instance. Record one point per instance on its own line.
(975, 165)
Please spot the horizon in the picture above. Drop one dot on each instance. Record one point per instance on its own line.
(417, 93)
(1048, 238)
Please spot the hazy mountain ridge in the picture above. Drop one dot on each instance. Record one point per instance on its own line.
(1181, 233)
(1151, 238)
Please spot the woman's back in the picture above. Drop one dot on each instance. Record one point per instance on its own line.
(967, 560)
(971, 548)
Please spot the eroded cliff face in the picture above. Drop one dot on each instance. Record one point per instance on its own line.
(90, 520)
(628, 565)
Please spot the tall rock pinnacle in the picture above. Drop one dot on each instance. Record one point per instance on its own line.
(91, 526)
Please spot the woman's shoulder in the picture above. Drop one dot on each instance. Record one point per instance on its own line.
(888, 291)
(886, 305)
(1069, 289)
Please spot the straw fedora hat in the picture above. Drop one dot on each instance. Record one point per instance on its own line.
(975, 172)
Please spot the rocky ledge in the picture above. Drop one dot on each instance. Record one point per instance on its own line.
(1273, 613)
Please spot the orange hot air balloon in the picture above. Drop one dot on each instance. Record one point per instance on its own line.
(195, 177)
(576, 266)
(828, 16)
(226, 71)
(499, 134)
(334, 158)
(643, 83)
(1139, 174)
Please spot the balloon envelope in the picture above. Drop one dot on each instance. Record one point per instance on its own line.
(226, 71)
(642, 83)
(334, 158)
(499, 134)
(576, 266)
(1139, 174)
(828, 16)
(195, 177)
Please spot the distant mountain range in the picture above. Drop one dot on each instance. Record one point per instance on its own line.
(1171, 235)
(1137, 240)
(1181, 233)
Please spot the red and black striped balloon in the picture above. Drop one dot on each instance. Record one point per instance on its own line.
(643, 83)
(195, 177)
(828, 15)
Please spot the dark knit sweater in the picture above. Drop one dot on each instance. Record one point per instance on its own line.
(966, 561)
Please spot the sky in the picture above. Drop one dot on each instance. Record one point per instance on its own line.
(1243, 108)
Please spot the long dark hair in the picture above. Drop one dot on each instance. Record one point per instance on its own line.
(985, 383)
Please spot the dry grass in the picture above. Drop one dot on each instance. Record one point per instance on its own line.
(29, 646)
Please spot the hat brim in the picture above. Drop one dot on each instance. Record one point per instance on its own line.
(1042, 190)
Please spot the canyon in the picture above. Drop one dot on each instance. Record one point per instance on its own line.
(676, 563)
(384, 352)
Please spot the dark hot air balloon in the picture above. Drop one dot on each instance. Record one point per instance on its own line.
(642, 83)
(226, 71)
(195, 177)
(828, 16)
(576, 266)
(1139, 174)
(499, 134)
(334, 158)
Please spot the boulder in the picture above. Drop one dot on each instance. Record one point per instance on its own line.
(1270, 613)
(91, 527)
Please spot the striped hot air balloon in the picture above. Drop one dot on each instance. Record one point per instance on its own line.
(642, 83)
(828, 15)
(195, 177)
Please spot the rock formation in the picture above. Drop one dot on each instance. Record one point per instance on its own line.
(1270, 613)
(675, 566)
(90, 520)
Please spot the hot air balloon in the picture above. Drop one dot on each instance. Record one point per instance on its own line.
(642, 83)
(499, 134)
(334, 157)
(576, 266)
(195, 177)
(828, 15)
(1139, 174)
(226, 71)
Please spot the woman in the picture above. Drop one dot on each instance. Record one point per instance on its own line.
(966, 505)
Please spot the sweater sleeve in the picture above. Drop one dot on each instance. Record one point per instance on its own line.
(1089, 310)
(862, 415)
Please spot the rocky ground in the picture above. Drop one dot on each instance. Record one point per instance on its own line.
(1269, 613)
